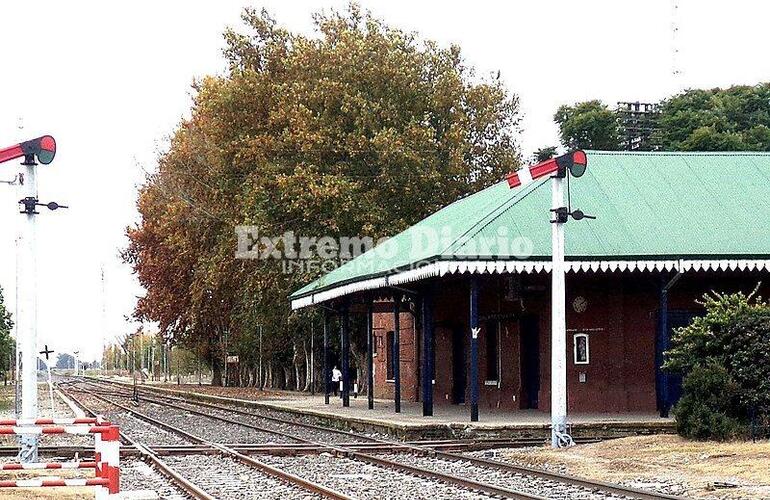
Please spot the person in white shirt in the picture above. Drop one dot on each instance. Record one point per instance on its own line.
(336, 377)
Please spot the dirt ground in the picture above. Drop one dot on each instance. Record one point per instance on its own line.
(666, 462)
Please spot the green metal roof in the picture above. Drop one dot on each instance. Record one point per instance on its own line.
(648, 206)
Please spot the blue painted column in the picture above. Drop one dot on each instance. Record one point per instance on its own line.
(345, 324)
(369, 353)
(664, 341)
(397, 351)
(326, 357)
(474, 319)
(428, 356)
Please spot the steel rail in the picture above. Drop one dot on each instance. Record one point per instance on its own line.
(479, 444)
(356, 455)
(185, 484)
(349, 453)
(428, 450)
(268, 469)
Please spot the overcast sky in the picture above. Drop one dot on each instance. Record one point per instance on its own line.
(110, 81)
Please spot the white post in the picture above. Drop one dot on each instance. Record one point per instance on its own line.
(26, 329)
(558, 321)
(50, 388)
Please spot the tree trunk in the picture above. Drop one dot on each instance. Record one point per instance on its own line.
(295, 361)
(287, 377)
(216, 373)
(308, 378)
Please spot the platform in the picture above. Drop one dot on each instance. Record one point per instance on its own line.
(448, 422)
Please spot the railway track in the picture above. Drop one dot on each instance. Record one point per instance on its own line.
(279, 483)
(432, 462)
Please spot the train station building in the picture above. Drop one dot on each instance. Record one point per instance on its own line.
(669, 227)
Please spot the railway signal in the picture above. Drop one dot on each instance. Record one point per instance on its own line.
(575, 163)
(39, 150)
(571, 164)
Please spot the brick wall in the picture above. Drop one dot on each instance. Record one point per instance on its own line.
(619, 316)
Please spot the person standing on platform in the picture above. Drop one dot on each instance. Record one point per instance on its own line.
(336, 377)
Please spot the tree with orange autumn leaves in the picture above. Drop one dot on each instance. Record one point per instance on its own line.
(361, 130)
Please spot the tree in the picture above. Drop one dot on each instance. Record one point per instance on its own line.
(736, 118)
(65, 361)
(544, 154)
(723, 357)
(7, 345)
(359, 131)
(588, 125)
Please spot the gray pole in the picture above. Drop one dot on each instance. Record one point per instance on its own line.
(261, 379)
(224, 384)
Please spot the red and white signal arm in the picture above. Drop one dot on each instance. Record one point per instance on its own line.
(574, 161)
(42, 148)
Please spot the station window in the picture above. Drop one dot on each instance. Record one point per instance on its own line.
(582, 348)
(492, 337)
(391, 340)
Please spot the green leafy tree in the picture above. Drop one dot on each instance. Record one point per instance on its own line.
(7, 345)
(723, 357)
(588, 125)
(360, 130)
(544, 154)
(732, 119)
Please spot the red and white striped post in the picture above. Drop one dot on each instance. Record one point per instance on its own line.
(106, 463)
(107, 448)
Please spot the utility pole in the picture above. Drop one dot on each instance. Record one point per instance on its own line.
(261, 379)
(200, 375)
(225, 356)
(103, 320)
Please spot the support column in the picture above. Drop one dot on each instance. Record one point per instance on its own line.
(474, 316)
(26, 319)
(312, 355)
(428, 356)
(397, 351)
(558, 322)
(326, 357)
(345, 355)
(663, 379)
(370, 353)
(663, 345)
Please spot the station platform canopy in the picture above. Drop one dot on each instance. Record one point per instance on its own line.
(654, 211)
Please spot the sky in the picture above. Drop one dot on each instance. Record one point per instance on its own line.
(110, 81)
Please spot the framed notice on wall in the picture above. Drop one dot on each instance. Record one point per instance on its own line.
(582, 348)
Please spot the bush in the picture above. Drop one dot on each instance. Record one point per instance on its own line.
(708, 409)
(723, 357)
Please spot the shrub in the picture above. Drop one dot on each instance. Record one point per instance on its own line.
(723, 357)
(708, 409)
